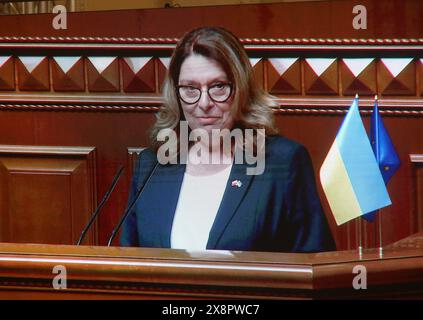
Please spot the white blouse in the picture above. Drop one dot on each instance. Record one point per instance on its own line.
(198, 203)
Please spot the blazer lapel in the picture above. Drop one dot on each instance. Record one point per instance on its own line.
(168, 186)
(236, 188)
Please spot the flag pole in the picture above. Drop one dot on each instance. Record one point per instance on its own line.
(360, 245)
(379, 216)
(380, 234)
(358, 224)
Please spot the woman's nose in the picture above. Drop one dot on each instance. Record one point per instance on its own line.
(205, 102)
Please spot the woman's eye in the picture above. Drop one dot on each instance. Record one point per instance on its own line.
(191, 91)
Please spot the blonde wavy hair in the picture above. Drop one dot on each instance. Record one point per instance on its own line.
(251, 107)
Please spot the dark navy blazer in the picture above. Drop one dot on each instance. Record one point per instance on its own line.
(278, 210)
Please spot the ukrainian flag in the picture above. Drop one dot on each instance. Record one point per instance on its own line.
(350, 175)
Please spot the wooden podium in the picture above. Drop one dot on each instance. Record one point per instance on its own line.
(26, 272)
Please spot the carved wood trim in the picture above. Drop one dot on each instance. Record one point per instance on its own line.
(270, 48)
(133, 153)
(416, 158)
(288, 106)
(333, 41)
(46, 150)
(44, 107)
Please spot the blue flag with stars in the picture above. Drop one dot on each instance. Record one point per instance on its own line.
(384, 151)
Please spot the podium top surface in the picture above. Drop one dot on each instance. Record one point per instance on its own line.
(148, 272)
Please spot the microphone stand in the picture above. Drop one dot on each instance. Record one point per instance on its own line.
(103, 201)
(130, 207)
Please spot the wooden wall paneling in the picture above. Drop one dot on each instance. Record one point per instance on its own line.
(4, 204)
(131, 160)
(417, 162)
(257, 64)
(397, 76)
(48, 193)
(110, 130)
(358, 75)
(258, 69)
(321, 76)
(420, 75)
(284, 75)
(162, 67)
(407, 135)
(103, 74)
(133, 154)
(308, 19)
(7, 73)
(68, 73)
(138, 74)
(33, 73)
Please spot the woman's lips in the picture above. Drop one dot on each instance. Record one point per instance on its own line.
(207, 120)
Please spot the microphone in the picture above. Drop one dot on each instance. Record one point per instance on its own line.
(131, 206)
(103, 201)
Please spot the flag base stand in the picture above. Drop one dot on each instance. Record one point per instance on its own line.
(379, 216)
(359, 236)
(360, 252)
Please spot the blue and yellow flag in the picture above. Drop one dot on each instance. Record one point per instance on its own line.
(384, 151)
(350, 176)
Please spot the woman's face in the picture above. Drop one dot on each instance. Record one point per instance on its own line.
(199, 72)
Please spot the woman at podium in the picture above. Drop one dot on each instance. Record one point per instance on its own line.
(217, 176)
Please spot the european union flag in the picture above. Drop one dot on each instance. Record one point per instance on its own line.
(384, 151)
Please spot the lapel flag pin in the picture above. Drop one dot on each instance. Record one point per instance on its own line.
(237, 183)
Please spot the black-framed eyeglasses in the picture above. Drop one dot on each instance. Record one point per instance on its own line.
(219, 92)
